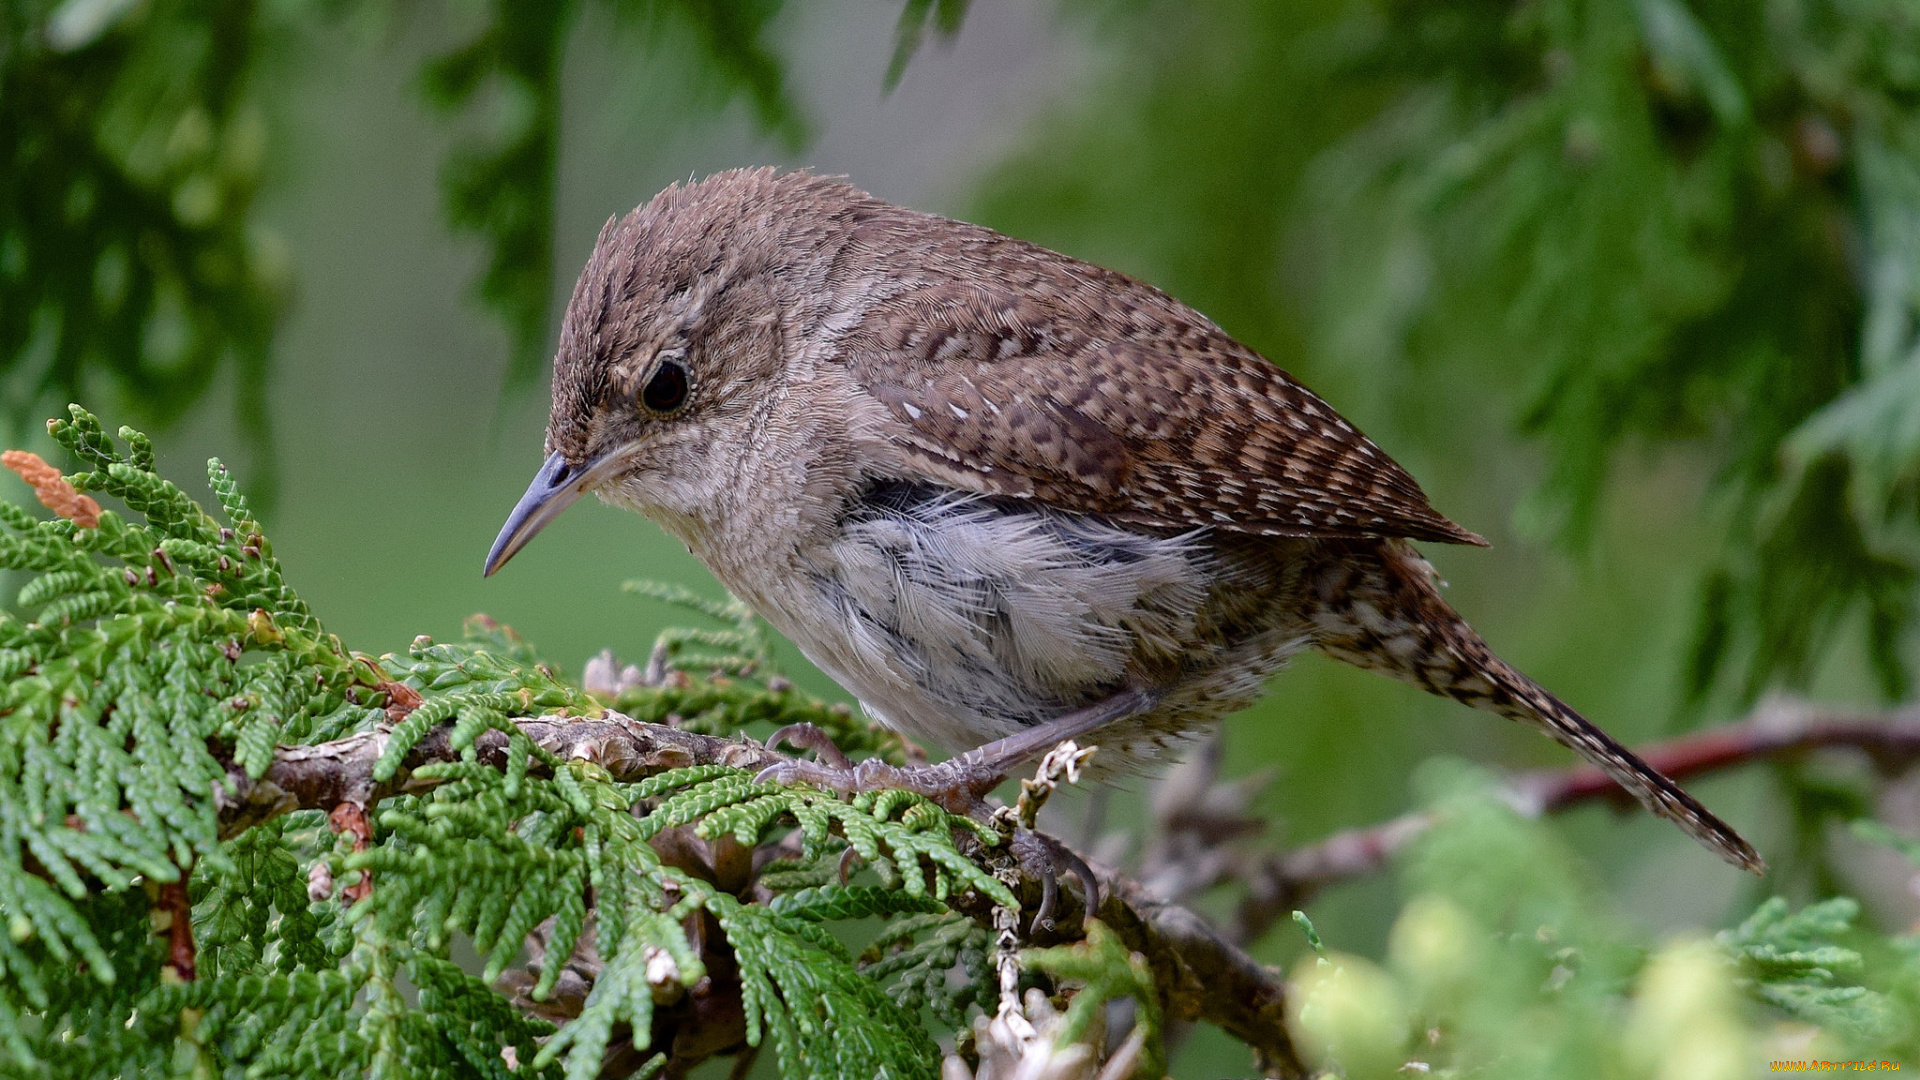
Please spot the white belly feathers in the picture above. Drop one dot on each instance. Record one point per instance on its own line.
(950, 615)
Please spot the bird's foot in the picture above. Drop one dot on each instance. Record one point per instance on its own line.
(958, 784)
(1043, 859)
(805, 736)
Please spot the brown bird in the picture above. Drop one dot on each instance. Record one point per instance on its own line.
(1003, 496)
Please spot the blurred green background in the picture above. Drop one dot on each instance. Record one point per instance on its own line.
(1631, 289)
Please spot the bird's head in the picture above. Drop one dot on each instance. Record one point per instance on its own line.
(674, 335)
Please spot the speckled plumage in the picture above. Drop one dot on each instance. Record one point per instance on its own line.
(984, 485)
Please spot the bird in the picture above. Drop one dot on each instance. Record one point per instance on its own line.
(1003, 496)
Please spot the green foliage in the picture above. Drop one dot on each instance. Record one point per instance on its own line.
(1670, 223)
(898, 831)
(803, 987)
(741, 649)
(447, 866)
(1105, 970)
(918, 952)
(130, 154)
(1504, 961)
(916, 17)
(133, 664)
(135, 138)
(1789, 959)
(161, 644)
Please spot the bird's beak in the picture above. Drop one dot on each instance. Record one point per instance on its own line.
(554, 488)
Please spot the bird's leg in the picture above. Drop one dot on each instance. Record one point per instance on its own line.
(960, 783)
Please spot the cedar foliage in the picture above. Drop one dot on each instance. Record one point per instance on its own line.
(165, 650)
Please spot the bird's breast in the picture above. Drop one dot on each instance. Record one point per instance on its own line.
(959, 619)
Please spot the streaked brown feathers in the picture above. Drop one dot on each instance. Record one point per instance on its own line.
(1014, 370)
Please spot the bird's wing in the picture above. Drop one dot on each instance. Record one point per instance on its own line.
(1087, 390)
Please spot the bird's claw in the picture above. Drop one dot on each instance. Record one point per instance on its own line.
(807, 736)
(1042, 858)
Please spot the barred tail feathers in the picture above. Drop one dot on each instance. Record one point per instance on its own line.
(1653, 788)
(1379, 609)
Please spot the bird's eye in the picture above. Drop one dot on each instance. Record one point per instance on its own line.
(666, 390)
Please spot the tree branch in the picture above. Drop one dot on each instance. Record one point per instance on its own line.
(1776, 730)
(1204, 975)
(325, 776)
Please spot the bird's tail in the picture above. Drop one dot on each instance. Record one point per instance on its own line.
(1379, 608)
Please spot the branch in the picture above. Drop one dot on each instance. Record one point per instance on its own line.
(1776, 730)
(1204, 975)
(341, 772)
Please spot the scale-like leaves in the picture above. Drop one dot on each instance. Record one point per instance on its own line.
(165, 650)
